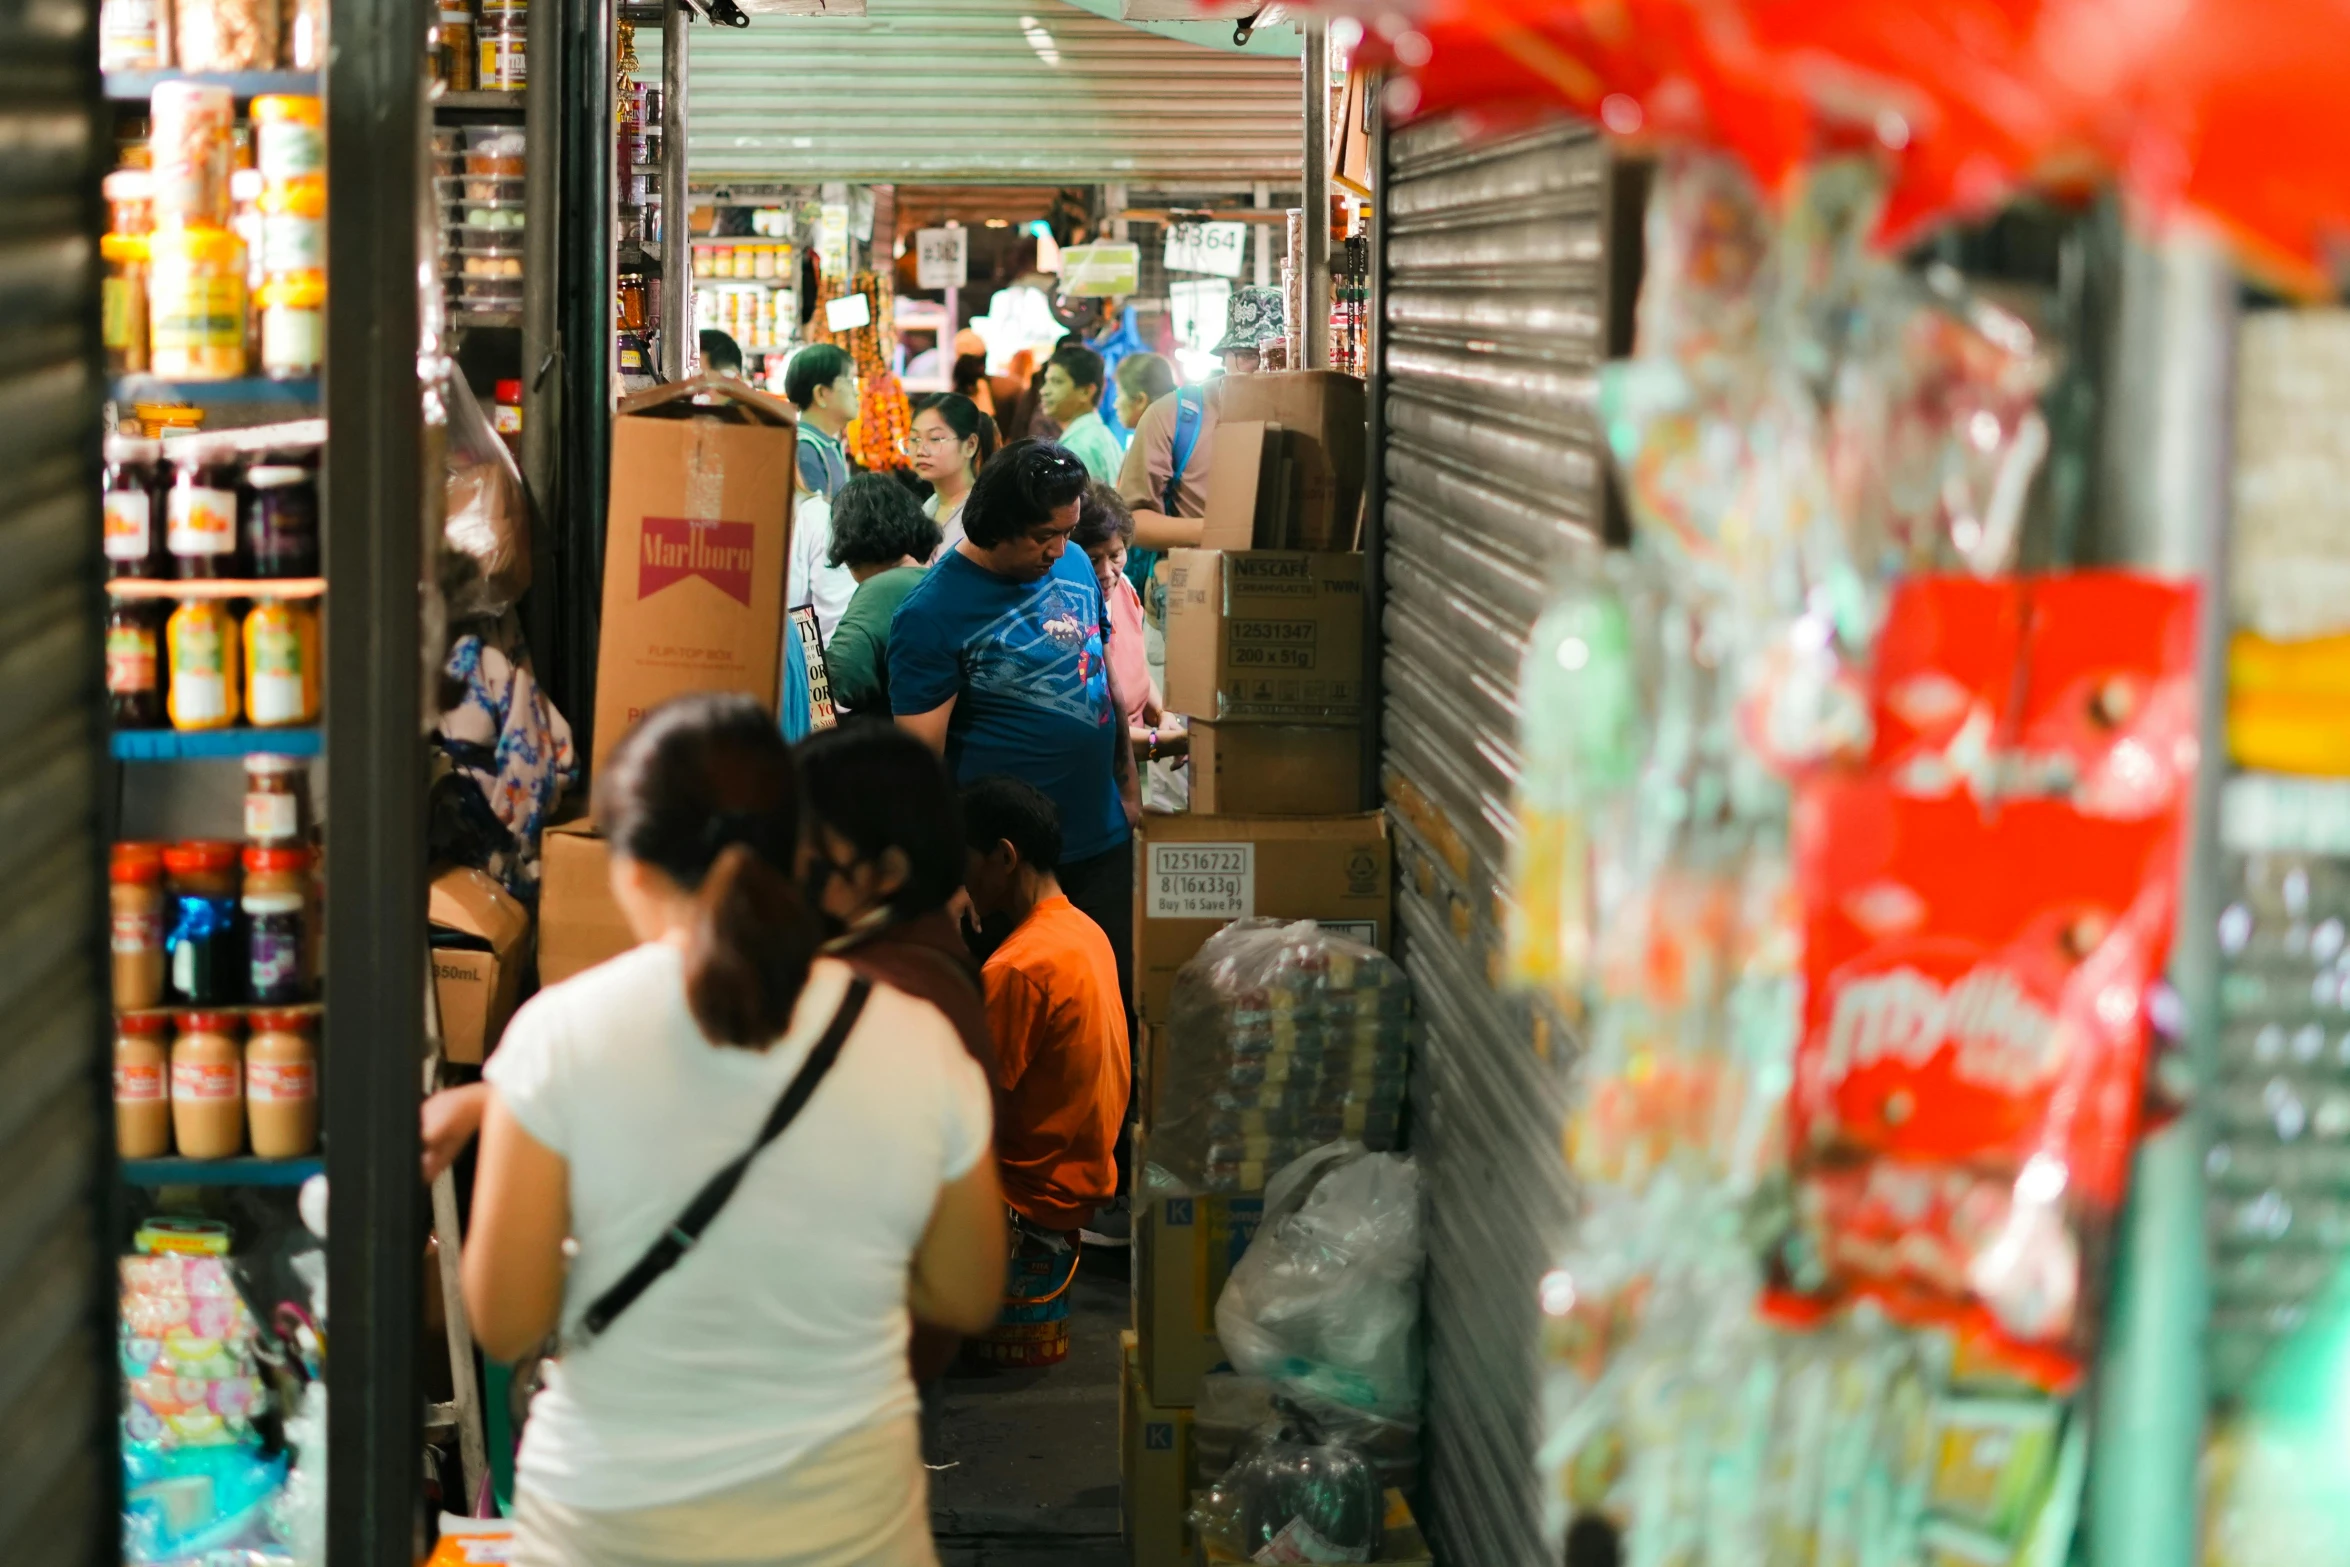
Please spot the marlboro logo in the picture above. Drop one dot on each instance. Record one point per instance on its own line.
(676, 548)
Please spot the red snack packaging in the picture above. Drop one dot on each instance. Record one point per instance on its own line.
(2078, 685)
(1974, 1051)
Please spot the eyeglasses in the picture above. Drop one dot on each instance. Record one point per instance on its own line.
(916, 445)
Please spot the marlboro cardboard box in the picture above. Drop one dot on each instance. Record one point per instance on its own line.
(696, 539)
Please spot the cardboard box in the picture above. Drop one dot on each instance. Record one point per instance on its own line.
(1184, 1250)
(1253, 499)
(1276, 769)
(478, 982)
(1266, 636)
(696, 539)
(1322, 415)
(1154, 1470)
(579, 924)
(1197, 874)
(1404, 1546)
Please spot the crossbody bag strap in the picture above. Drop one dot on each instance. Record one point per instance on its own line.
(687, 1229)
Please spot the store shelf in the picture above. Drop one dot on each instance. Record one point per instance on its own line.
(700, 240)
(486, 318)
(761, 285)
(220, 1172)
(219, 588)
(489, 101)
(193, 745)
(308, 1009)
(216, 394)
(136, 86)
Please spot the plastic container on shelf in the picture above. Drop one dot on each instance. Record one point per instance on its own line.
(289, 135)
(225, 35)
(196, 292)
(293, 325)
(201, 642)
(132, 36)
(123, 302)
(495, 150)
(189, 136)
(293, 227)
(281, 663)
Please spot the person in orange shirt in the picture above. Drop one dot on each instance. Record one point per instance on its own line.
(1061, 1065)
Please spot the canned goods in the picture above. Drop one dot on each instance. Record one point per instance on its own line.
(502, 63)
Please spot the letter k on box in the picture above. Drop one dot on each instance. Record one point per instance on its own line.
(696, 537)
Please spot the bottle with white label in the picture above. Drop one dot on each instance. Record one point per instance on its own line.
(208, 1087)
(135, 489)
(281, 1086)
(201, 638)
(281, 663)
(276, 788)
(202, 517)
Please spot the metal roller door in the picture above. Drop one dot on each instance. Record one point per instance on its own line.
(55, 1312)
(1493, 328)
(982, 92)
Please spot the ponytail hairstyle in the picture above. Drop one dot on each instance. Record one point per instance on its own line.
(704, 791)
(962, 416)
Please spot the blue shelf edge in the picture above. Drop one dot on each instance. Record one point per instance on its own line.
(220, 1172)
(174, 745)
(136, 86)
(251, 389)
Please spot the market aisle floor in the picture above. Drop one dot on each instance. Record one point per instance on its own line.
(1030, 1476)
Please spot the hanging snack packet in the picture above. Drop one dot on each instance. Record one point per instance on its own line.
(1973, 1058)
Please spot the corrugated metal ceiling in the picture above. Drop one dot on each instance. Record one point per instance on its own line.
(982, 92)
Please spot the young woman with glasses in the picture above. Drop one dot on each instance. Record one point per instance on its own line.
(952, 441)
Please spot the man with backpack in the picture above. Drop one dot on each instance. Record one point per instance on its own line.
(1165, 479)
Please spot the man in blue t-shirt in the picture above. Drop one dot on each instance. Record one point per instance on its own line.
(999, 661)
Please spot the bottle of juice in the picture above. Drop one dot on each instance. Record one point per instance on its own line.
(201, 637)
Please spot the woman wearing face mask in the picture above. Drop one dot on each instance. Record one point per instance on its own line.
(952, 441)
(734, 1384)
(883, 855)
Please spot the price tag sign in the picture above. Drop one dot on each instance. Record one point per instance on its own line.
(848, 312)
(1101, 271)
(942, 258)
(1203, 881)
(1218, 249)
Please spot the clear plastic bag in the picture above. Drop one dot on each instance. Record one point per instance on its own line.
(1282, 1037)
(487, 523)
(1295, 1496)
(1326, 1301)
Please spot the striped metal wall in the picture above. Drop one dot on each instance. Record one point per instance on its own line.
(56, 1395)
(982, 92)
(1494, 325)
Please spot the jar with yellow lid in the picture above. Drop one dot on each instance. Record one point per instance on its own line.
(293, 227)
(201, 641)
(122, 299)
(293, 325)
(289, 134)
(281, 663)
(196, 303)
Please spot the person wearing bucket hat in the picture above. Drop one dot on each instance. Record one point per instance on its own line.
(1165, 478)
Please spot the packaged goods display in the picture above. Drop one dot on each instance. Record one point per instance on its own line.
(1294, 1497)
(1856, 856)
(1282, 1037)
(478, 182)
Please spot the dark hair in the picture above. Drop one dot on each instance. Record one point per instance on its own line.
(1001, 809)
(962, 416)
(818, 364)
(970, 370)
(882, 789)
(720, 351)
(1022, 485)
(704, 791)
(1102, 516)
(1081, 365)
(1148, 374)
(876, 522)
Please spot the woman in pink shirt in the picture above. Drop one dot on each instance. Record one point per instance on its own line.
(1105, 527)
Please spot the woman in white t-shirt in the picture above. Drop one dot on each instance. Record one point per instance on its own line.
(752, 1406)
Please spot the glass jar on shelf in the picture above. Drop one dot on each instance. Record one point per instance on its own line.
(122, 300)
(277, 793)
(134, 664)
(196, 295)
(293, 325)
(276, 905)
(281, 1085)
(200, 640)
(135, 910)
(281, 663)
(142, 1094)
(279, 510)
(455, 57)
(289, 133)
(203, 945)
(200, 514)
(208, 1086)
(137, 507)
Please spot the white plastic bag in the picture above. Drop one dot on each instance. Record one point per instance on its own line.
(1326, 1301)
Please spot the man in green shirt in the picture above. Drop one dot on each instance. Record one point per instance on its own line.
(1073, 380)
(881, 537)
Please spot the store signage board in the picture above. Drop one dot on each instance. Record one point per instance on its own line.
(1100, 271)
(942, 258)
(848, 312)
(1219, 249)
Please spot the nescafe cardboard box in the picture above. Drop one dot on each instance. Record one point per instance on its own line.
(1265, 636)
(695, 543)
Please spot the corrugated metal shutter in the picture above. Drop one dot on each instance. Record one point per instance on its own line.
(1494, 328)
(54, 1346)
(982, 92)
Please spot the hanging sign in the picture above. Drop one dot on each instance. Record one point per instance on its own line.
(942, 258)
(1100, 271)
(848, 312)
(1219, 249)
